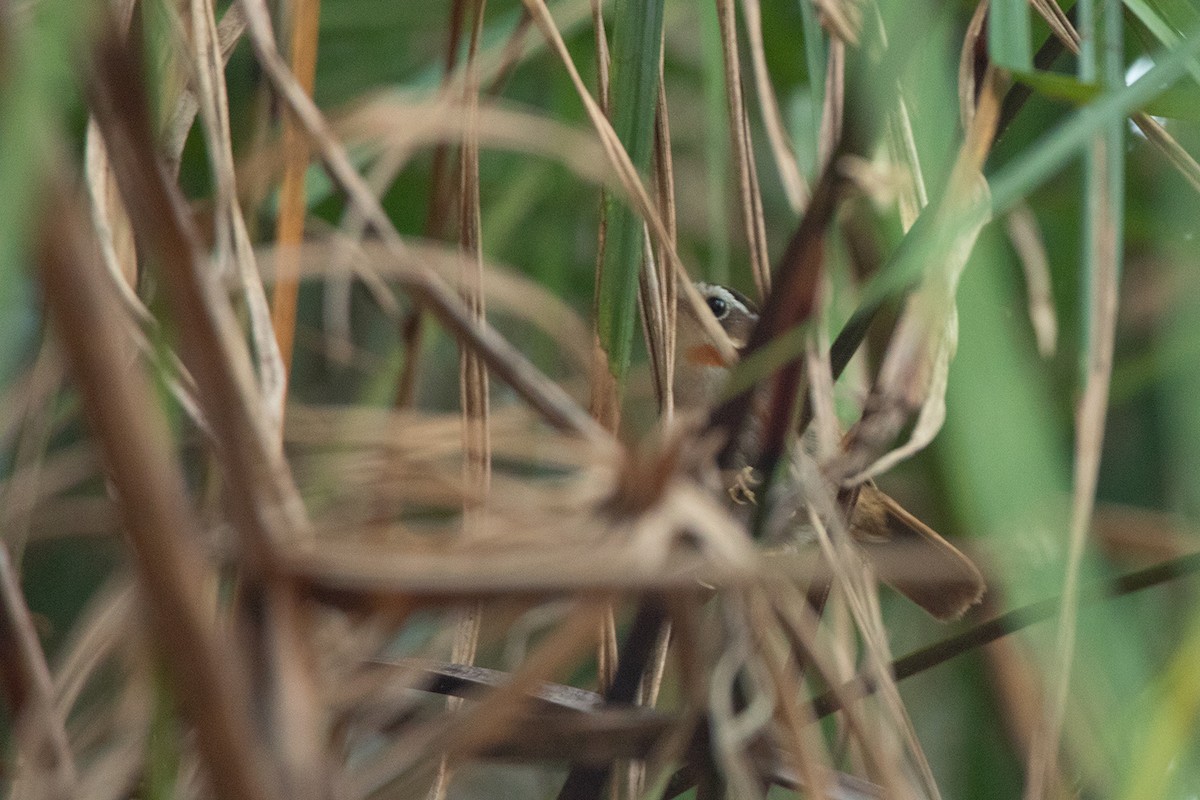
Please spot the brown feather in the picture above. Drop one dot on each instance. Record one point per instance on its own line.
(912, 558)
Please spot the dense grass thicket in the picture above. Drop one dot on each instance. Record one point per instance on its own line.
(363, 433)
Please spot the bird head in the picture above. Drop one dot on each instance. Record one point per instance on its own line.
(700, 369)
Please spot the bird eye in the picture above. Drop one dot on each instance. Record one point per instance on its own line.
(718, 306)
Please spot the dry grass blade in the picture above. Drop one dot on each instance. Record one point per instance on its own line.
(915, 370)
(856, 585)
(503, 359)
(833, 111)
(1105, 229)
(289, 227)
(234, 251)
(785, 158)
(628, 178)
(658, 292)
(968, 80)
(1056, 18)
(794, 718)
(603, 400)
(1027, 240)
(1181, 159)
(743, 154)
(155, 510)
(229, 33)
(262, 497)
(38, 726)
(1017, 683)
(26, 485)
(473, 377)
(911, 192)
(111, 220)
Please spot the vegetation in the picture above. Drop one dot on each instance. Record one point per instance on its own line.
(341, 455)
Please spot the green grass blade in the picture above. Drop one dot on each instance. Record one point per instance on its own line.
(716, 151)
(1182, 101)
(1162, 30)
(1008, 34)
(36, 91)
(636, 51)
(815, 54)
(1037, 164)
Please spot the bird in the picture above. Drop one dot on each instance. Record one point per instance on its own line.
(907, 554)
(700, 370)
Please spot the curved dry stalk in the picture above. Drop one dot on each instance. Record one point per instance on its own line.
(93, 639)
(473, 377)
(38, 477)
(26, 485)
(233, 249)
(733, 727)
(858, 589)
(795, 717)
(422, 268)
(1026, 239)
(833, 111)
(504, 359)
(657, 292)
(406, 762)
(263, 499)
(915, 369)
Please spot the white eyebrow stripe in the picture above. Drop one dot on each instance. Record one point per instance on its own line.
(716, 290)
